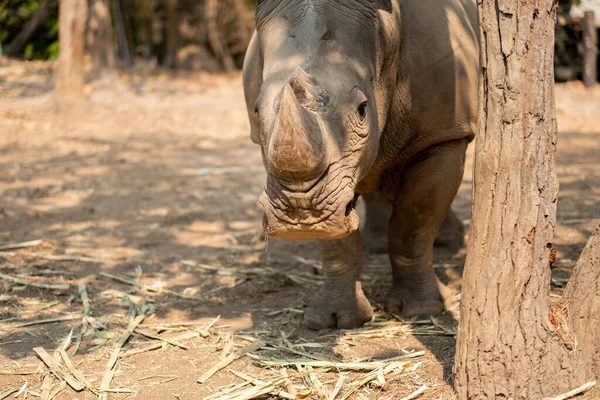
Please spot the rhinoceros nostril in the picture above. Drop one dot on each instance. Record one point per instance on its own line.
(349, 208)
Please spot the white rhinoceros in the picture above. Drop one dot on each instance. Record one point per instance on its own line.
(351, 97)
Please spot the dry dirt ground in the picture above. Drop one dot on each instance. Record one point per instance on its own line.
(153, 180)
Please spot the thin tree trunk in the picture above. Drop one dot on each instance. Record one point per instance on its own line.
(39, 17)
(214, 36)
(122, 43)
(100, 36)
(590, 50)
(173, 39)
(512, 342)
(70, 73)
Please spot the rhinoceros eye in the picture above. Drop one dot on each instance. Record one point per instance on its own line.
(362, 110)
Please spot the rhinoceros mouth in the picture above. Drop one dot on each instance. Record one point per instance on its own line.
(323, 209)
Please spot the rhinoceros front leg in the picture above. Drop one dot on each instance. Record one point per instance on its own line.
(341, 302)
(428, 188)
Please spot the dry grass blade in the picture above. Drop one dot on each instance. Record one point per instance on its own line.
(109, 371)
(46, 387)
(258, 382)
(581, 389)
(255, 391)
(145, 287)
(59, 389)
(381, 377)
(288, 383)
(156, 346)
(166, 340)
(319, 387)
(264, 271)
(21, 245)
(74, 371)
(416, 393)
(46, 321)
(57, 370)
(305, 354)
(7, 393)
(19, 372)
(247, 378)
(53, 257)
(226, 390)
(116, 391)
(356, 366)
(227, 347)
(22, 390)
(338, 387)
(229, 359)
(85, 299)
(40, 285)
(357, 385)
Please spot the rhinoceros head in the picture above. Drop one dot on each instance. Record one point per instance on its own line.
(319, 128)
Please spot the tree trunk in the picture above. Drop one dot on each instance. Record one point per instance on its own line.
(69, 73)
(39, 17)
(173, 39)
(513, 343)
(590, 50)
(100, 36)
(122, 43)
(214, 36)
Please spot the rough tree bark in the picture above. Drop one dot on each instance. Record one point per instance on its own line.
(513, 341)
(100, 36)
(590, 49)
(69, 72)
(39, 17)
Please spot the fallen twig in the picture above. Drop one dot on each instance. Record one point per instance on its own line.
(229, 359)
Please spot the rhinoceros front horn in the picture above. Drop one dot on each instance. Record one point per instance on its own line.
(296, 150)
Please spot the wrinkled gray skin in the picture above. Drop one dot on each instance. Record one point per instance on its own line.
(363, 97)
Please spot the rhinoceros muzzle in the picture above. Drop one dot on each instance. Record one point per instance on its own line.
(324, 211)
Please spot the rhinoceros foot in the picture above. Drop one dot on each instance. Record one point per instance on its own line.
(332, 310)
(407, 301)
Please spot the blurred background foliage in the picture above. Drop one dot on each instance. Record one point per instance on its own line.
(188, 34)
(171, 33)
(13, 16)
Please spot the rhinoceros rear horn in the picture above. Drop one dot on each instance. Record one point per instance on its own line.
(309, 93)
